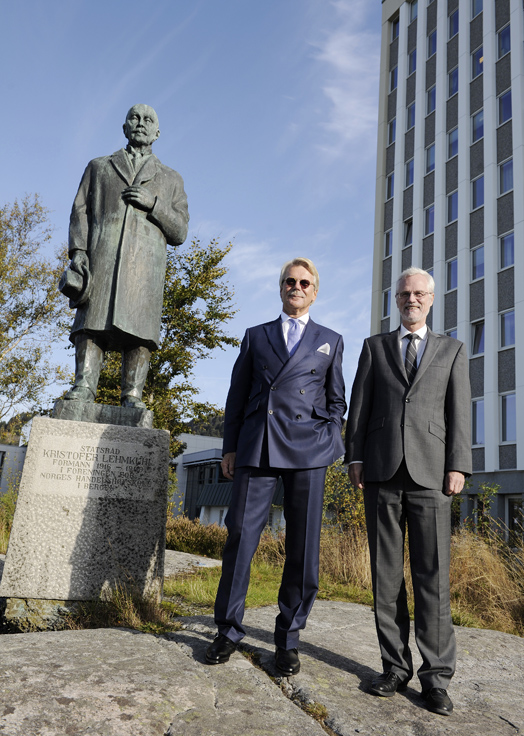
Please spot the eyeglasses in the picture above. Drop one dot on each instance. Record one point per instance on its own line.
(304, 283)
(416, 294)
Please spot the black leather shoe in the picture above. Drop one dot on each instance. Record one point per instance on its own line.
(437, 701)
(220, 650)
(287, 661)
(387, 684)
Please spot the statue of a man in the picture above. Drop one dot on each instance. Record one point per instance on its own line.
(127, 208)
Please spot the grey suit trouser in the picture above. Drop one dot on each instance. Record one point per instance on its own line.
(391, 506)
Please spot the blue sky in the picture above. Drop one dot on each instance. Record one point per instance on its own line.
(267, 109)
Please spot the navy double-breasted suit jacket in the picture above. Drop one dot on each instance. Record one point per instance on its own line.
(294, 403)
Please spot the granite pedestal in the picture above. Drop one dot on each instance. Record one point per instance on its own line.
(91, 514)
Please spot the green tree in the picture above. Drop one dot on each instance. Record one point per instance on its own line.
(197, 304)
(343, 504)
(33, 313)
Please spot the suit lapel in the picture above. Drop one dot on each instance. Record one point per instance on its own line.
(305, 346)
(122, 166)
(393, 347)
(275, 338)
(432, 346)
(147, 171)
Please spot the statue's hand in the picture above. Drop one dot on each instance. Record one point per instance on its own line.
(139, 197)
(80, 261)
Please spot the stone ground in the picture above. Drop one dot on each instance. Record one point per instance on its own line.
(116, 682)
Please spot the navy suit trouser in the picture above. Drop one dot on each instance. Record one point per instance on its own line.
(253, 490)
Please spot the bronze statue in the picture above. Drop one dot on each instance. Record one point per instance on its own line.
(128, 206)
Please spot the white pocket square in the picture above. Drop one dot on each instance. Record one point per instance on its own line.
(325, 348)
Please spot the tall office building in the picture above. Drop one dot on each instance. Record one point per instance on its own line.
(449, 199)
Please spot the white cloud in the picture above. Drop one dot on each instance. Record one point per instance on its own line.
(349, 55)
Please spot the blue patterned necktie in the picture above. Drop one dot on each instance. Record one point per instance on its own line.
(293, 336)
(410, 361)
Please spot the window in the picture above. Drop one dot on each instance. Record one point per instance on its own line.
(477, 263)
(452, 333)
(431, 96)
(395, 25)
(452, 207)
(392, 131)
(478, 338)
(453, 142)
(476, 7)
(477, 61)
(477, 423)
(507, 250)
(477, 192)
(393, 78)
(508, 418)
(451, 274)
(504, 107)
(504, 42)
(515, 520)
(390, 186)
(453, 27)
(432, 43)
(430, 158)
(408, 233)
(477, 126)
(410, 171)
(388, 243)
(506, 176)
(413, 11)
(411, 116)
(453, 82)
(386, 303)
(412, 61)
(429, 220)
(507, 328)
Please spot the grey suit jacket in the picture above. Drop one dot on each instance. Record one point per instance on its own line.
(428, 423)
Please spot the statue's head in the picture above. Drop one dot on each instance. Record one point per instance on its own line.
(141, 126)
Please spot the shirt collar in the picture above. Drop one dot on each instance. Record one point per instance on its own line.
(303, 319)
(422, 332)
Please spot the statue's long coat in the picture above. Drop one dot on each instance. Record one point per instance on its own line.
(126, 246)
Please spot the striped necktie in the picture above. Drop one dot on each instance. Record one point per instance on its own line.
(410, 361)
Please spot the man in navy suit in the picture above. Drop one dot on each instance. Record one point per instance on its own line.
(283, 419)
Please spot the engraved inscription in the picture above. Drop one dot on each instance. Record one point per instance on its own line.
(91, 470)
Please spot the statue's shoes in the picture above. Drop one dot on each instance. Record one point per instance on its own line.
(132, 402)
(79, 393)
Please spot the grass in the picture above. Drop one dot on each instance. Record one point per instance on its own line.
(487, 581)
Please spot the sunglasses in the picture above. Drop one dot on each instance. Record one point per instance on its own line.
(304, 283)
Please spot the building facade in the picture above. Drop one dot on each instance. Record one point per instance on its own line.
(449, 199)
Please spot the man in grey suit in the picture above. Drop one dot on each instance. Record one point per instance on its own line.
(408, 443)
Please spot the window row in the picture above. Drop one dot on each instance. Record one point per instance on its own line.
(506, 332)
(508, 420)
(476, 8)
(477, 59)
(506, 257)
(505, 185)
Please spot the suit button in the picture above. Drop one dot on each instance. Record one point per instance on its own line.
(313, 370)
(298, 416)
(270, 411)
(264, 367)
(273, 388)
(407, 401)
(302, 391)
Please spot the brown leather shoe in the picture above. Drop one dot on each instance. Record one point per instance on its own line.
(287, 661)
(387, 684)
(220, 650)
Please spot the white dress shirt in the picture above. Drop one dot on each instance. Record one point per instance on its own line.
(302, 322)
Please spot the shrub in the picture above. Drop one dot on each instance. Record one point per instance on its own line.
(184, 535)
